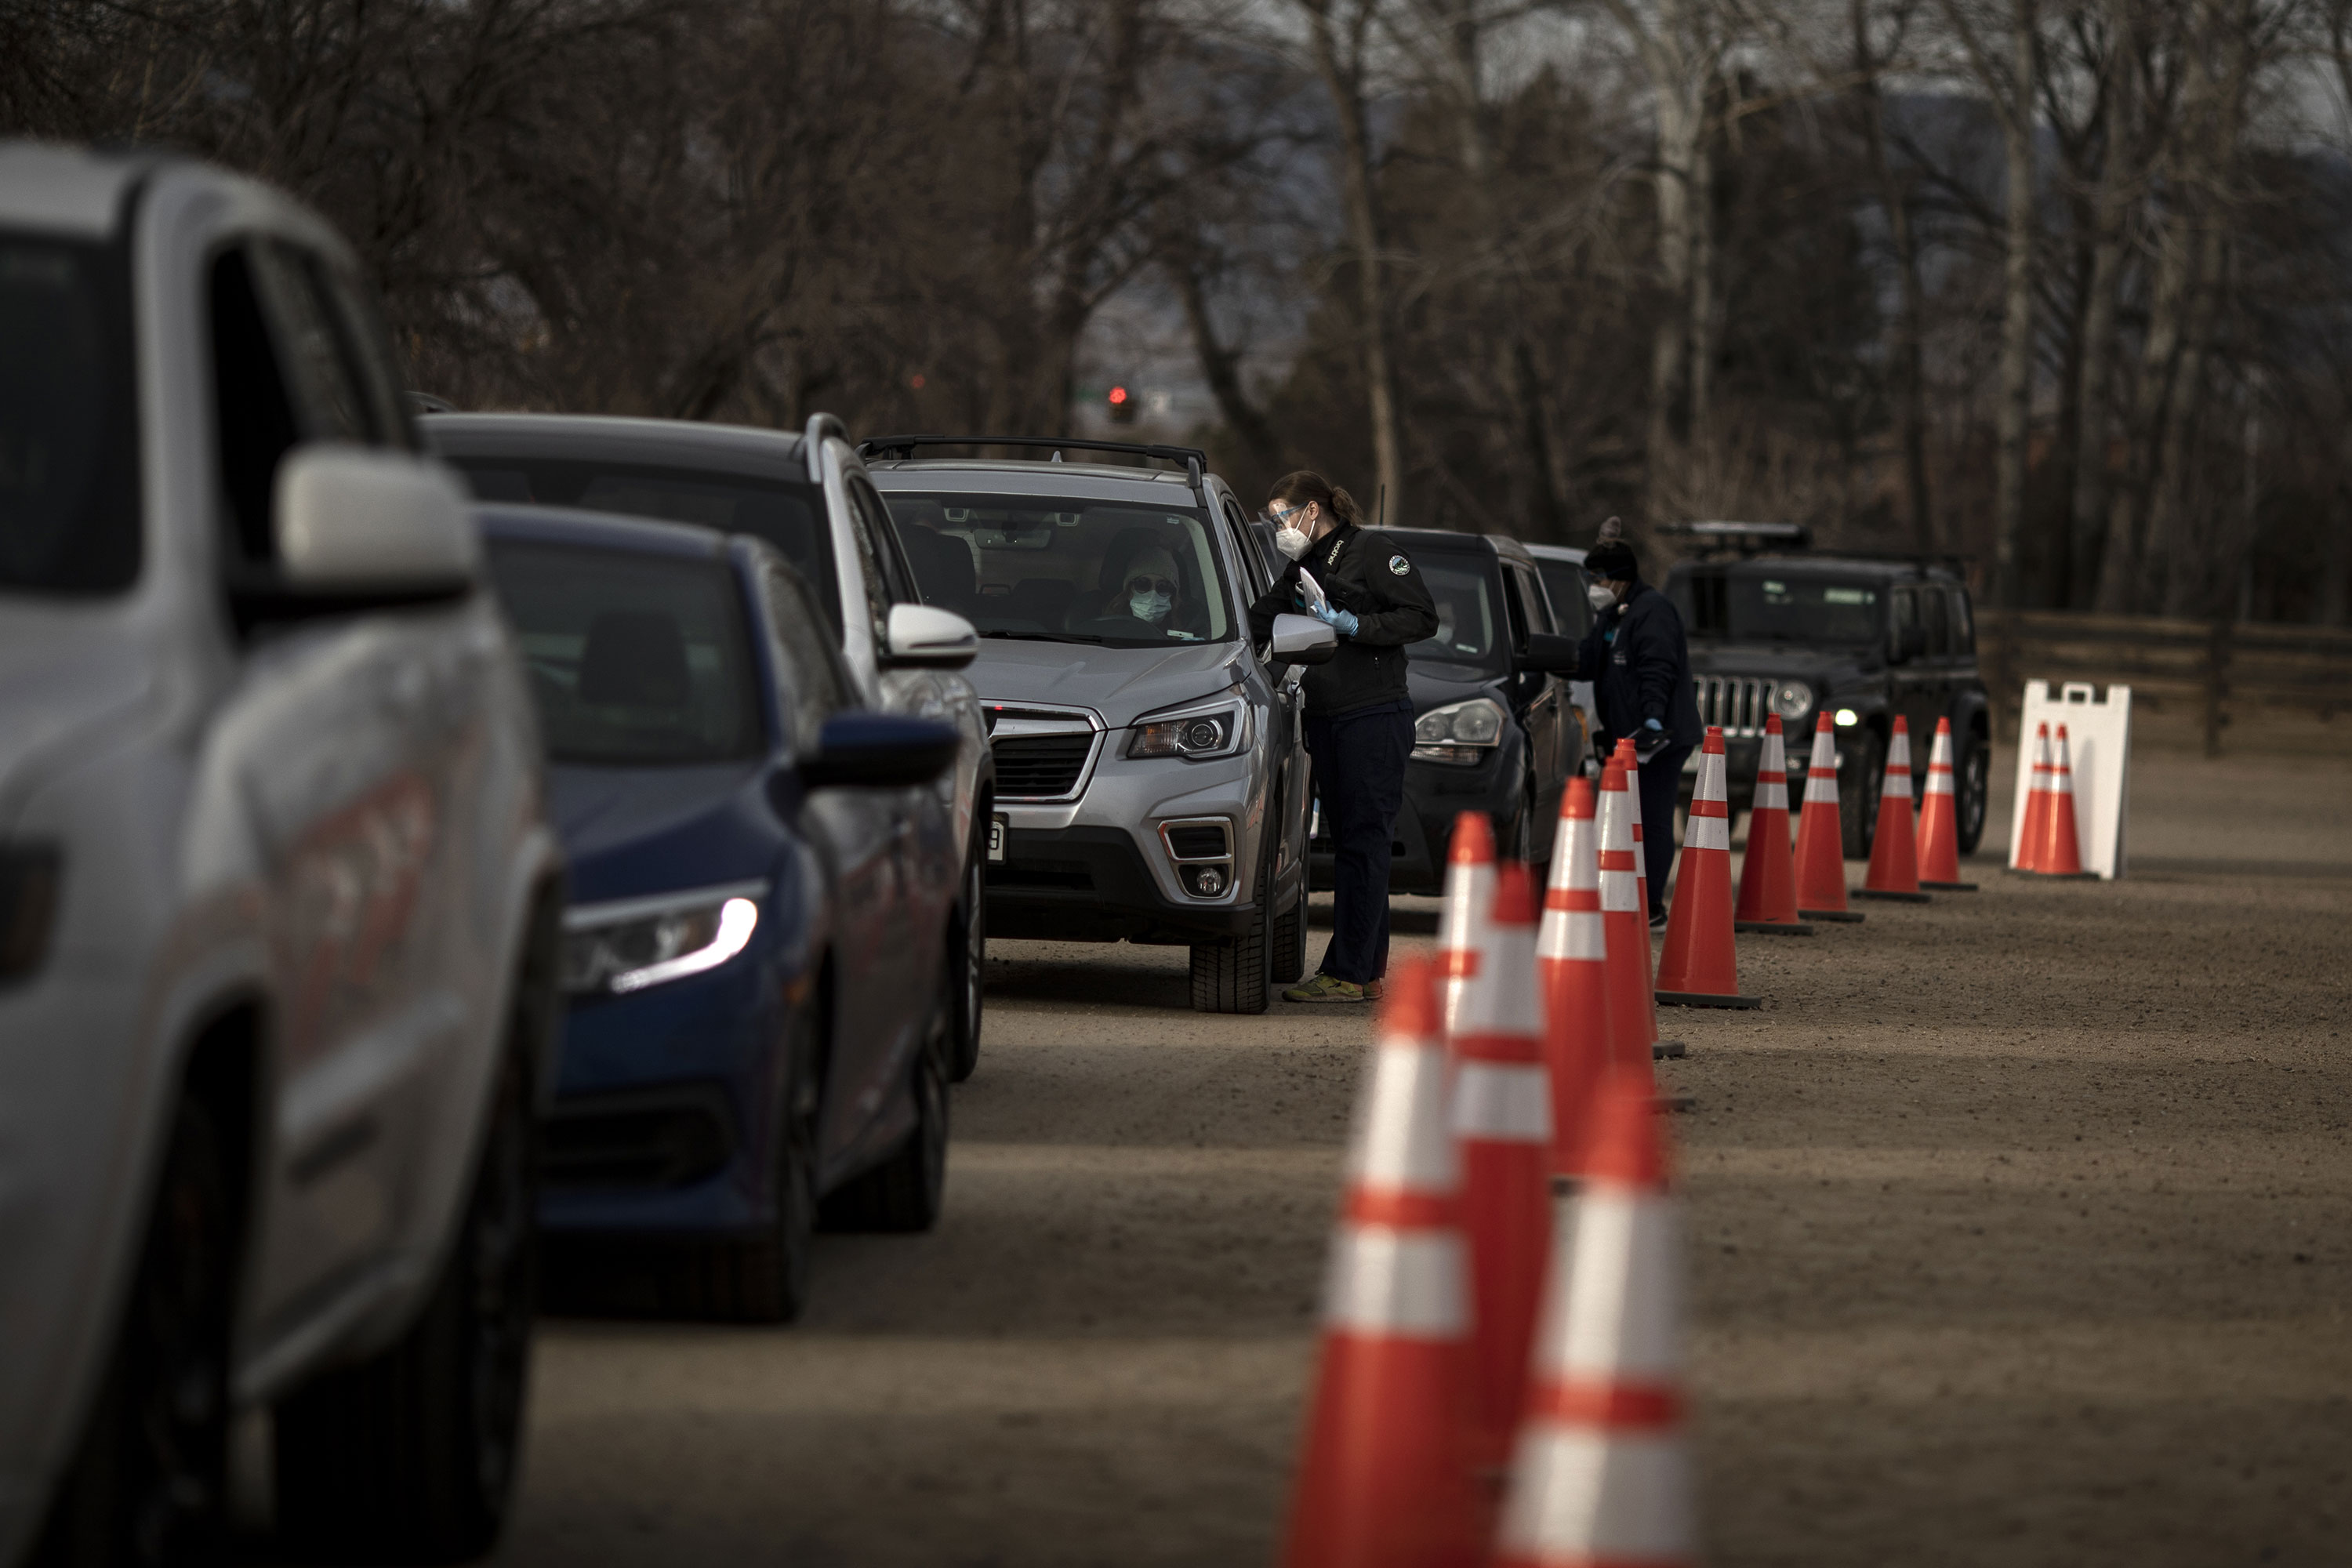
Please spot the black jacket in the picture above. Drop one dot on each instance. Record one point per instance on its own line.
(1639, 663)
(1364, 572)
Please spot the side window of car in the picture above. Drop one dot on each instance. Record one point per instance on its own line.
(323, 372)
(1964, 626)
(870, 576)
(1932, 616)
(368, 350)
(879, 541)
(816, 685)
(1539, 608)
(254, 412)
(1907, 612)
(1515, 607)
(1244, 552)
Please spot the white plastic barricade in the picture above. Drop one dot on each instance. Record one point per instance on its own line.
(2098, 741)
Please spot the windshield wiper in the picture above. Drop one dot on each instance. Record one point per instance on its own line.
(1046, 636)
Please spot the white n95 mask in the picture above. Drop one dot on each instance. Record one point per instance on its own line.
(1599, 595)
(1291, 542)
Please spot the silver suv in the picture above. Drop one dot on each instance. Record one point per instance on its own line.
(279, 910)
(1151, 774)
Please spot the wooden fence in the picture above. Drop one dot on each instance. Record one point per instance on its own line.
(2218, 685)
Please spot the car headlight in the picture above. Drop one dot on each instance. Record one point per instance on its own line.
(626, 946)
(1459, 733)
(1793, 699)
(28, 908)
(1215, 731)
(1847, 718)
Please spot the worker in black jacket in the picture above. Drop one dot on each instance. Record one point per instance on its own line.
(1358, 712)
(1639, 661)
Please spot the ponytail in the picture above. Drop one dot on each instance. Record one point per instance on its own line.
(1306, 484)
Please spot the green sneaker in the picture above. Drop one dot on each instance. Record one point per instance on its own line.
(1326, 988)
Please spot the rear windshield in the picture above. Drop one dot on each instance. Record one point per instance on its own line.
(1756, 606)
(788, 516)
(1471, 625)
(635, 660)
(1067, 570)
(68, 432)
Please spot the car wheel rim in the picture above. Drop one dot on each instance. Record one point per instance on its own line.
(1980, 774)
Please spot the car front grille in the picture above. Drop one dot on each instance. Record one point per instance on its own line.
(1739, 702)
(1040, 767)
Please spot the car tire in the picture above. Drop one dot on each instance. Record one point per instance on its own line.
(411, 1456)
(904, 1192)
(1235, 976)
(968, 945)
(765, 1279)
(1289, 961)
(148, 1481)
(1972, 785)
(1858, 791)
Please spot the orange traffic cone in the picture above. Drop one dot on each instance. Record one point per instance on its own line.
(1502, 1120)
(1699, 967)
(2028, 854)
(1623, 756)
(1939, 825)
(1599, 1475)
(2061, 839)
(1625, 920)
(1767, 875)
(1894, 871)
(1383, 1481)
(1820, 838)
(1572, 958)
(1469, 899)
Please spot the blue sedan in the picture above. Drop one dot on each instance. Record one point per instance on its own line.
(756, 953)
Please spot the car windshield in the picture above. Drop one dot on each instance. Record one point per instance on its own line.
(1470, 624)
(1076, 571)
(786, 515)
(1757, 607)
(635, 660)
(68, 434)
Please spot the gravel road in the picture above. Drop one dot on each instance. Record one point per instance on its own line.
(2021, 1231)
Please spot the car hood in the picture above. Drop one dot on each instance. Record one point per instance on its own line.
(63, 681)
(630, 831)
(1780, 659)
(1116, 682)
(1433, 683)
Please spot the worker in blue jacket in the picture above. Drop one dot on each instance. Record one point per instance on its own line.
(1639, 662)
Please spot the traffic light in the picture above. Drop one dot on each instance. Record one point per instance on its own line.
(1122, 405)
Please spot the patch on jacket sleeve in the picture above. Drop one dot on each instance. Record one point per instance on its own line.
(1400, 565)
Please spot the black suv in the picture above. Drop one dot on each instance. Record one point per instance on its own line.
(1494, 728)
(1860, 638)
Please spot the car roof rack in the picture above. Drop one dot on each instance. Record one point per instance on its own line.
(1742, 538)
(1194, 459)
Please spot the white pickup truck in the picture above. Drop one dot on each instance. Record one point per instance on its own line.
(279, 910)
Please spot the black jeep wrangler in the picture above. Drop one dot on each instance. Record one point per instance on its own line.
(1862, 639)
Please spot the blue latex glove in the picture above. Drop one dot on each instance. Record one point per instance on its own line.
(1649, 740)
(1344, 622)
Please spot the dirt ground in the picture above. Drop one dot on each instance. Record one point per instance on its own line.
(2020, 1229)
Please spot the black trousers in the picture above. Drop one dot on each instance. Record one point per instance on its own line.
(1360, 777)
(1661, 781)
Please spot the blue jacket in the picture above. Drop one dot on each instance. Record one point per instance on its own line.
(1639, 663)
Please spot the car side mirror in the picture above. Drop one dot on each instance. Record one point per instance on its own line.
(923, 637)
(878, 750)
(362, 526)
(1546, 653)
(1301, 639)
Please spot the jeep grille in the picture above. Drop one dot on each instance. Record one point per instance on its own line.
(1737, 702)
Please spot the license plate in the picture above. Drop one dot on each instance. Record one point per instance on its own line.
(996, 839)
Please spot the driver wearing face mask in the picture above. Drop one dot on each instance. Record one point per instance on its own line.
(1148, 591)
